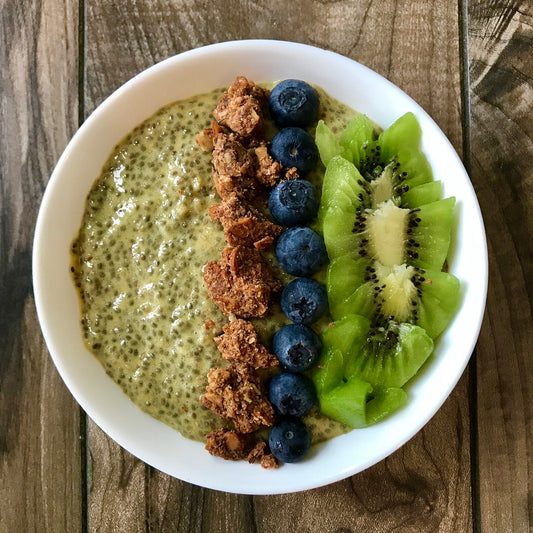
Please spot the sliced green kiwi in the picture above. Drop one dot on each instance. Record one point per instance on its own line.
(405, 132)
(355, 404)
(402, 293)
(327, 144)
(342, 187)
(398, 144)
(387, 234)
(387, 184)
(356, 136)
(384, 356)
(422, 194)
(362, 369)
(391, 356)
(391, 235)
(329, 372)
(347, 402)
(390, 184)
(343, 334)
(384, 402)
(344, 275)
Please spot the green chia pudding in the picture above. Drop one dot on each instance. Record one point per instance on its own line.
(137, 262)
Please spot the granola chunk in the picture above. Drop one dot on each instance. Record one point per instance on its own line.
(243, 224)
(238, 397)
(240, 346)
(241, 283)
(230, 156)
(267, 169)
(228, 444)
(234, 446)
(292, 174)
(260, 454)
(233, 167)
(206, 138)
(241, 107)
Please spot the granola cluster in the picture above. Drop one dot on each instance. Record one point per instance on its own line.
(241, 283)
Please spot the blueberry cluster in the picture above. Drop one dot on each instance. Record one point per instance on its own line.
(300, 251)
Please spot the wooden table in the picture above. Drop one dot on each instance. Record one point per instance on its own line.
(470, 65)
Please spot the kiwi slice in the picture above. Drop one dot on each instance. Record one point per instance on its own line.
(387, 184)
(329, 372)
(390, 234)
(393, 159)
(352, 143)
(402, 293)
(356, 136)
(389, 356)
(347, 402)
(342, 187)
(398, 144)
(384, 356)
(327, 143)
(361, 370)
(355, 404)
(422, 194)
(384, 402)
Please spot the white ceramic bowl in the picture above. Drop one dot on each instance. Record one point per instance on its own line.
(61, 211)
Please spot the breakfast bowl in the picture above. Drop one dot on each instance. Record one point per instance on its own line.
(58, 303)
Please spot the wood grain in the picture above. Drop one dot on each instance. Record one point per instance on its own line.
(426, 485)
(40, 481)
(501, 85)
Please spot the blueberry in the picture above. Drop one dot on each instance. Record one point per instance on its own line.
(297, 347)
(294, 147)
(291, 394)
(304, 301)
(293, 202)
(293, 103)
(301, 251)
(289, 441)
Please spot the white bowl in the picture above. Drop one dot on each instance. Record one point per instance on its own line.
(60, 215)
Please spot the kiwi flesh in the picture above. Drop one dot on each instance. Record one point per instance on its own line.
(402, 293)
(387, 233)
(346, 402)
(384, 356)
(390, 234)
(342, 187)
(357, 134)
(384, 402)
(389, 356)
(329, 372)
(329, 145)
(356, 404)
(362, 369)
(398, 145)
(387, 184)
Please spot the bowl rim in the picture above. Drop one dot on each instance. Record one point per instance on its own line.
(107, 422)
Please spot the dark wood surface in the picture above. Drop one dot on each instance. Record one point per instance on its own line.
(470, 65)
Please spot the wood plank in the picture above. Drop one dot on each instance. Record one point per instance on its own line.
(501, 78)
(426, 485)
(40, 486)
(117, 498)
(178, 506)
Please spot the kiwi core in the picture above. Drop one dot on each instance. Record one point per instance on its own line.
(387, 227)
(397, 290)
(382, 188)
